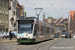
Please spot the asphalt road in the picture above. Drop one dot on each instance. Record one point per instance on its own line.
(56, 44)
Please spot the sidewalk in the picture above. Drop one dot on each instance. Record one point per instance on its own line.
(7, 40)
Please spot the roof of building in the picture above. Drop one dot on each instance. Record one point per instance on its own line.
(64, 20)
(61, 21)
(50, 16)
(53, 20)
(59, 24)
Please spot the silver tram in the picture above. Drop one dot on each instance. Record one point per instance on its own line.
(31, 30)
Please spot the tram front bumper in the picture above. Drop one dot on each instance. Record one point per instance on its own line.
(26, 40)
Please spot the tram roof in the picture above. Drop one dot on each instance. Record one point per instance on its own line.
(32, 18)
(26, 18)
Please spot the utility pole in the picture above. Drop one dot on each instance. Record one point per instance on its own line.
(68, 23)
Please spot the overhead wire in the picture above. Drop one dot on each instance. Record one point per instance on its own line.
(53, 7)
(31, 3)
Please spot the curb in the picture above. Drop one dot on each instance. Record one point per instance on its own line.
(8, 41)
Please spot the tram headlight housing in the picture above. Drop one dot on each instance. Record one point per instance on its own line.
(18, 36)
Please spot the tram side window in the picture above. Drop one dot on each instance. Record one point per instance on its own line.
(47, 31)
(41, 29)
(35, 30)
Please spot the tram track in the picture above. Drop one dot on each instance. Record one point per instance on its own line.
(23, 47)
(13, 47)
(32, 47)
(54, 43)
(27, 46)
(19, 48)
(48, 43)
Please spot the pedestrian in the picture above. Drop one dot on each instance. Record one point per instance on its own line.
(10, 35)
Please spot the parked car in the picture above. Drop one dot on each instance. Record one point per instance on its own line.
(68, 35)
(3, 35)
(14, 34)
(73, 35)
(56, 35)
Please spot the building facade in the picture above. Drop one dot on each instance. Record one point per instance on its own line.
(14, 13)
(4, 15)
(72, 21)
(21, 11)
(61, 24)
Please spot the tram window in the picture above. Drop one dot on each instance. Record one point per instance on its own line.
(25, 28)
(26, 21)
(35, 29)
(34, 32)
(31, 26)
(41, 34)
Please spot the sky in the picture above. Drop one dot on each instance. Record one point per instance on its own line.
(55, 8)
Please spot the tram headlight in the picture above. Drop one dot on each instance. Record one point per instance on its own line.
(20, 37)
(26, 34)
(28, 37)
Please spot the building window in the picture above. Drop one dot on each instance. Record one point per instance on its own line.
(0, 20)
(6, 3)
(6, 20)
(3, 11)
(14, 4)
(3, 2)
(0, 1)
(6, 12)
(14, 12)
(0, 10)
(6, 29)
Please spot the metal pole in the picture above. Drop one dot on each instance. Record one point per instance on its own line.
(68, 23)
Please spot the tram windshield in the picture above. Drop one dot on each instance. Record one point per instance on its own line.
(63, 33)
(25, 27)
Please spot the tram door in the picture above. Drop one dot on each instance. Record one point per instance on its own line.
(36, 32)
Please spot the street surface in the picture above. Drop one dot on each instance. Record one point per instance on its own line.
(56, 44)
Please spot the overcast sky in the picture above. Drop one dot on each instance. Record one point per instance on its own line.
(55, 8)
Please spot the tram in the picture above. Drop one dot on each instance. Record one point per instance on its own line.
(31, 30)
(63, 33)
